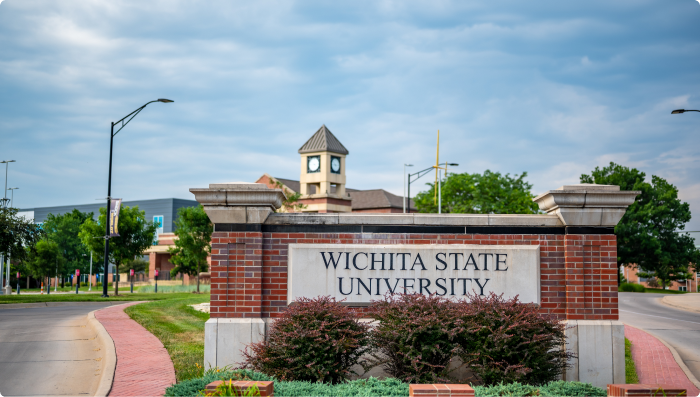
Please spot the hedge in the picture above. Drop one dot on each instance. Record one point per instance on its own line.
(376, 387)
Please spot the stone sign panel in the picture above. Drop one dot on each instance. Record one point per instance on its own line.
(360, 273)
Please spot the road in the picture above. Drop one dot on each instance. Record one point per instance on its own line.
(49, 351)
(678, 328)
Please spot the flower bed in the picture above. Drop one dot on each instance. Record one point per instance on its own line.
(376, 387)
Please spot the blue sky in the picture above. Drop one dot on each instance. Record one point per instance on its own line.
(552, 88)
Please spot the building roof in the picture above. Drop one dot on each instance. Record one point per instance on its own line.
(323, 141)
(376, 198)
(361, 199)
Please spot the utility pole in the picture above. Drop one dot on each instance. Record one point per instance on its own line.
(406, 199)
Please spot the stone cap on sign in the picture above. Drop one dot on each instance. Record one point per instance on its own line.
(542, 220)
(238, 202)
(587, 204)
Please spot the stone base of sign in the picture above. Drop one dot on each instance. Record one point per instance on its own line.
(442, 390)
(599, 346)
(226, 338)
(644, 390)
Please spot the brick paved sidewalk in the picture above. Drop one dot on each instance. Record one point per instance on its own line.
(144, 367)
(655, 363)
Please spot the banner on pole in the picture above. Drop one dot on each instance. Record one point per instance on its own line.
(77, 272)
(114, 207)
(131, 272)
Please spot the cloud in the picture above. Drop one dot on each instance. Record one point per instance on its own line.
(551, 88)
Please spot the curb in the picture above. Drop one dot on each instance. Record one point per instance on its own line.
(679, 306)
(676, 357)
(110, 360)
(56, 304)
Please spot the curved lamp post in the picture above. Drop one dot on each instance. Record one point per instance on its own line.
(124, 121)
(679, 111)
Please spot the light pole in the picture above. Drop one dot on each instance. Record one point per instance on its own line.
(2, 256)
(90, 279)
(416, 175)
(12, 199)
(439, 181)
(679, 111)
(112, 134)
(404, 189)
(7, 165)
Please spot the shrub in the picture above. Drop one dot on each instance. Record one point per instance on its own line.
(630, 287)
(193, 387)
(555, 388)
(315, 340)
(508, 341)
(374, 387)
(416, 335)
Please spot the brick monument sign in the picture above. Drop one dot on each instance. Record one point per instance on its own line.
(565, 261)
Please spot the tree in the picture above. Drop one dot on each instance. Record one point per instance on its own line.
(648, 234)
(192, 246)
(43, 259)
(63, 230)
(17, 233)
(136, 234)
(291, 203)
(487, 193)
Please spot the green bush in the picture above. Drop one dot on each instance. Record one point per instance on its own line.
(509, 341)
(417, 335)
(374, 387)
(555, 388)
(630, 287)
(315, 340)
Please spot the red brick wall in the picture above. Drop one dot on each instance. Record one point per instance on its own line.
(249, 269)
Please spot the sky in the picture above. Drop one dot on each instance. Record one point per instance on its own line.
(553, 88)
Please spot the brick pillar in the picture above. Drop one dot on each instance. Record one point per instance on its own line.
(590, 213)
(237, 211)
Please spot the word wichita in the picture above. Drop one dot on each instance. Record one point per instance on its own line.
(451, 263)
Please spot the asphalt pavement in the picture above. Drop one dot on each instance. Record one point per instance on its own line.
(678, 328)
(49, 351)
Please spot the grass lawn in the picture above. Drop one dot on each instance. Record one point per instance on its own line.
(122, 288)
(179, 327)
(123, 296)
(630, 370)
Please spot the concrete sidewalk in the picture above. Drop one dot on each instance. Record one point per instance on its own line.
(687, 302)
(655, 363)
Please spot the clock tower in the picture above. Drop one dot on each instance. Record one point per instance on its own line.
(322, 180)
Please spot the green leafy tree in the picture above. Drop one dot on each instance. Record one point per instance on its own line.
(63, 229)
(138, 264)
(17, 233)
(136, 234)
(43, 258)
(487, 193)
(193, 244)
(648, 234)
(291, 203)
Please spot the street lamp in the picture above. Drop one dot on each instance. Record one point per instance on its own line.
(2, 256)
(439, 181)
(404, 189)
(112, 134)
(679, 111)
(12, 200)
(7, 165)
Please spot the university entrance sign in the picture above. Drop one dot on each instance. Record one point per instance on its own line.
(360, 273)
(564, 261)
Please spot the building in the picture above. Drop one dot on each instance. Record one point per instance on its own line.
(322, 181)
(691, 284)
(163, 211)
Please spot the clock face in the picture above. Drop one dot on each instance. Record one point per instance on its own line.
(335, 165)
(314, 164)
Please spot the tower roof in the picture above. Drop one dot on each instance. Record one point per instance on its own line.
(323, 141)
